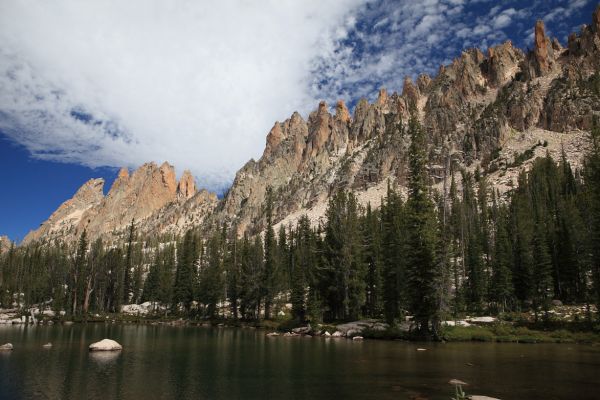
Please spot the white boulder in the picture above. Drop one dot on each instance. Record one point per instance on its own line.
(105, 345)
(337, 334)
(7, 346)
(358, 338)
(47, 345)
(482, 320)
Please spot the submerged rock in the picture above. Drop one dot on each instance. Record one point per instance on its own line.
(105, 345)
(7, 346)
(47, 345)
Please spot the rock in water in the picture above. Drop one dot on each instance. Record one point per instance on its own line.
(47, 345)
(357, 338)
(7, 346)
(105, 345)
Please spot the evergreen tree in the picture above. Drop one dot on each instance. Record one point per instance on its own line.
(422, 270)
(270, 264)
(185, 277)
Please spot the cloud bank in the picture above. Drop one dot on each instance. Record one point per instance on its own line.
(119, 83)
(199, 84)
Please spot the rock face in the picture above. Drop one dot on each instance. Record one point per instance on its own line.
(149, 192)
(105, 345)
(5, 244)
(541, 44)
(479, 111)
(66, 218)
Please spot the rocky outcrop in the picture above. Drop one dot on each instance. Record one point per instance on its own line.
(540, 50)
(150, 196)
(5, 244)
(186, 188)
(65, 220)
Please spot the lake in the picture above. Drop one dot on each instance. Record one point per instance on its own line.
(160, 362)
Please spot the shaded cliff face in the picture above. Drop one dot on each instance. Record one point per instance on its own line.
(479, 111)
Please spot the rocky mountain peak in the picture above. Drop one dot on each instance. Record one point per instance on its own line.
(319, 130)
(186, 187)
(274, 138)
(382, 97)
(5, 243)
(503, 62)
(540, 50)
(91, 191)
(410, 91)
(423, 82)
(341, 112)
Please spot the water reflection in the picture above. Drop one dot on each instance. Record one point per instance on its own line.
(104, 357)
(204, 363)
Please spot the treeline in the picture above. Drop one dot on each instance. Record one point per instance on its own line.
(433, 255)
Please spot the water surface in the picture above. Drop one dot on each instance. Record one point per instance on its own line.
(229, 363)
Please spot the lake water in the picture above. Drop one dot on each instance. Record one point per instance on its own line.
(229, 363)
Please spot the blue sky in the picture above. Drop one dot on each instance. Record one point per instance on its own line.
(87, 87)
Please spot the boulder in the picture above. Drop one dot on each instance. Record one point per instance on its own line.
(421, 349)
(270, 334)
(303, 330)
(105, 345)
(327, 334)
(357, 338)
(482, 320)
(337, 334)
(7, 347)
(47, 345)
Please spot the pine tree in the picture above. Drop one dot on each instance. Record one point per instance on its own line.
(592, 194)
(371, 229)
(77, 271)
(422, 270)
(270, 264)
(185, 277)
(126, 288)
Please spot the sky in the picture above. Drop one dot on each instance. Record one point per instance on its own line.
(87, 87)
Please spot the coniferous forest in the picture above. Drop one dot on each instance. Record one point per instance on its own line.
(421, 253)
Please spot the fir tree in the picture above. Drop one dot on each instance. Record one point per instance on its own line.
(422, 270)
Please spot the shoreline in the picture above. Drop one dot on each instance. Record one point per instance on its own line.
(496, 332)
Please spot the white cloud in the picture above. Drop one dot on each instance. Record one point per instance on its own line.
(198, 84)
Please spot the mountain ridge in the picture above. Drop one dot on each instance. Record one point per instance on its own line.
(480, 111)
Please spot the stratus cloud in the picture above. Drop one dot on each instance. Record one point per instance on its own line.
(198, 84)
